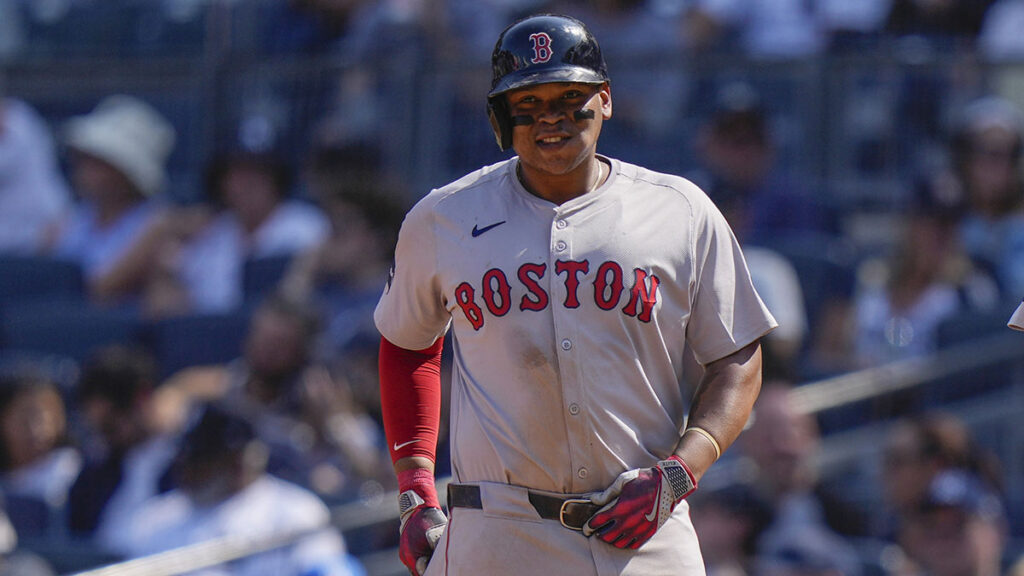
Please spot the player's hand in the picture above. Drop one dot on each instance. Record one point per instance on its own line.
(639, 502)
(421, 528)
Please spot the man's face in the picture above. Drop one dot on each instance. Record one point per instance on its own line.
(556, 142)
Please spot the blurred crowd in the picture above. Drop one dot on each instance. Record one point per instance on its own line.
(117, 450)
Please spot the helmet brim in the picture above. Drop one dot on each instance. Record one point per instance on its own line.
(567, 73)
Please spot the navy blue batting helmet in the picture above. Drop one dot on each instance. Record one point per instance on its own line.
(538, 50)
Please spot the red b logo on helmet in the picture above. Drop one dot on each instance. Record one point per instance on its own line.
(541, 47)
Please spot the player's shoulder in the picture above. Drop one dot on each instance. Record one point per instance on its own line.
(477, 186)
(671, 185)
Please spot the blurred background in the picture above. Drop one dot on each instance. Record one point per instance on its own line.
(199, 200)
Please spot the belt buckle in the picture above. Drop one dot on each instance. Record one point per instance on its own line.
(561, 511)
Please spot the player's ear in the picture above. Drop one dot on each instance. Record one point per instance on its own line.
(606, 100)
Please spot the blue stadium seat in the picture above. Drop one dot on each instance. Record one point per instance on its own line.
(196, 339)
(71, 329)
(261, 276)
(39, 277)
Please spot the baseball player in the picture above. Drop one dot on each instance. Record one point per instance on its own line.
(1017, 319)
(572, 284)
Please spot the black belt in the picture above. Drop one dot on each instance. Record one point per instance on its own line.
(573, 513)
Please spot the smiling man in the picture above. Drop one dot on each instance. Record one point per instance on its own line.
(574, 286)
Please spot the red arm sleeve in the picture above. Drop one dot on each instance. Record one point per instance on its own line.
(410, 393)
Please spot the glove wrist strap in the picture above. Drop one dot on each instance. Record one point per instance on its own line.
(679, 476)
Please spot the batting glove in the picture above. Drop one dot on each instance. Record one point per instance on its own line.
(639, 502)
(421, 527)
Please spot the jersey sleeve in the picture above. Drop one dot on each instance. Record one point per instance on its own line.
(727, 313)
(411, 312)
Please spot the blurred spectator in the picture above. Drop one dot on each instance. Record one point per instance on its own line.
(118, 157)
(959, 529)
(301, 26)
(225, 492)
(21, 563)
(903, 299)
(250, 215)
(986, 152)
(852, 24)
(318, 436)
(730, 521)
(652, 92)
(131, 447)
(37, 461)
(782, 442)
(739, 172)
(740, 175)
(481, 21)
(347, 270)
(12, 28)
(766, 29)
(918, 449)
(937, 20)
(15, 561)
(778, 284)
(34, 198)
(805, 550)
(999, 39)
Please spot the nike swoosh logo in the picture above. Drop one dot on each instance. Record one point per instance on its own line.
(654, 511)
(479, 231)
(398, 446)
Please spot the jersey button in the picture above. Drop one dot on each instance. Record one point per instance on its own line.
(561, 224)
(560, 245)
(583, 473)
(566, 344)
(574, 409)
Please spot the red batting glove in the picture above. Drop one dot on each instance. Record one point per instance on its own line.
(639, 502)
(422, 521)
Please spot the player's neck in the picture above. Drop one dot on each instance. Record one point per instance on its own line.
(559, 189)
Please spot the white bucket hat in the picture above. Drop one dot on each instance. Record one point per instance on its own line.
(128, 134)
(1017, 320)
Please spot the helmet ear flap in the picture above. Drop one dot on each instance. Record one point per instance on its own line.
(501, 122)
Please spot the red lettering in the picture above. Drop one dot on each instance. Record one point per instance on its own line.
(464, 296)
(541, 47)
(496, 283)
(641, 297)
(572, 269)
(608, 291)
(530, 275)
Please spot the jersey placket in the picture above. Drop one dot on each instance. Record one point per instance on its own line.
(566, 341)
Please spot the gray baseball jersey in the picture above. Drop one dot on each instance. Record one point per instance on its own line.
(569, 321)
(1017, 319)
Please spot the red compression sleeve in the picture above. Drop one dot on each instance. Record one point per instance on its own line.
(422, 482)
(410, 393)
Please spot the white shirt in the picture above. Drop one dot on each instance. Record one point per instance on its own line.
(33, 193)
(269, 507)
(48, 479)
(141, 472)
(98, 248)
(212, 264)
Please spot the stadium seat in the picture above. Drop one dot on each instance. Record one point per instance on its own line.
(260, 276)
(39, 277)
(196, 339)
(66, 328)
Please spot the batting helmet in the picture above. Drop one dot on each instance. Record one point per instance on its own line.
(538, 50)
